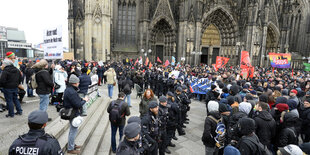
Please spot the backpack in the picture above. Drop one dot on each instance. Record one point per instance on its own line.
(220, 132)
(126, 88)
(33, 82)
(261, 149)
(115, 115)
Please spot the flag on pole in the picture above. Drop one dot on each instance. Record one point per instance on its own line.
(167, 63)
(173, 61)
(158, 60)
(245, 60)
(307, 66)
(220, 62)
(178, 65)
(136, 61)
(146, 61)
(140, 61)
(150, 65)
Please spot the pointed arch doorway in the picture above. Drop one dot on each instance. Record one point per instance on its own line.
(210, 45)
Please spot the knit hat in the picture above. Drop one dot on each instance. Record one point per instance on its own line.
(223, 101)
(245, 107)
(284, 92)
(291, 150)
(223, 107)
(230, 150)
(282, 107)
(292, 104)
(247, 125)
(9, 54)
(253, 92)
(230, 100)
(132, 130)
(263, 98)
(281, 99)
(294, 91)
(213, 106)
(134, 119)
(153, 104)
(74, 79)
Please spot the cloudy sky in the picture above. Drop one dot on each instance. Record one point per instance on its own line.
(34, 16)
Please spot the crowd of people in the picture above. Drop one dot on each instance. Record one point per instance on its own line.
(266, 114)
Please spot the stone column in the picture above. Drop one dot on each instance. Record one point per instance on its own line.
(253, 11)
(197, 41)
(264, 39)
(88, 33)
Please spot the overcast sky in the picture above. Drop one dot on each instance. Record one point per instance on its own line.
(34, 16)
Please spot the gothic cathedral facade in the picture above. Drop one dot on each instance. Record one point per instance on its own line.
(194, 31)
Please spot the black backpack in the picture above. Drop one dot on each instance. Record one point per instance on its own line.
(126, 89)
(261, 149)
(116, 115)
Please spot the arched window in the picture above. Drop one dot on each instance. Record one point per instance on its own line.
(126, 23)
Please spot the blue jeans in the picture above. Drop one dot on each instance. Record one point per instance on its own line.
(110, 90)
(44, 101)
(11, 98)
(29, 91)
(72, 135)
(128, 99)
(113, 134)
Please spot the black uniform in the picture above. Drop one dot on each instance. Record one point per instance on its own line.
(179, 117)
(127, 148)
(35, 142)
(163, 117)
(172, 119)
(150, 130)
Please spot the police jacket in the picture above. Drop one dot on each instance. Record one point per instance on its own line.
(173, 113)
(35, 142)
(150, 127)
(72, 99)
(127, 148)
(163, 115)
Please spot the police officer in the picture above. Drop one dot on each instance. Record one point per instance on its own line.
(171, 83)
(185, 104)
(142, 143)
(163, 117)
(36, 141)
(129, 144)
(150, 127)
(178, 100)
(172, 118)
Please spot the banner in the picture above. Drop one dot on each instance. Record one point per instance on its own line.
(158, 60)
(280, 60)
(167, 63)
(245, 60)
(307, 66)
(201, 86)
(220, 62)
(53, 46)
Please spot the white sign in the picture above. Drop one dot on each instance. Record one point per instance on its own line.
(19, 45)
(182, 58)
(53, 46)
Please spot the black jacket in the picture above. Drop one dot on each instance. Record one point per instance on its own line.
(44, 81)
(209, 129)
(173, 117)
(124, 110)
(265, 127)
(51, 146)
(29, 72)
(150, 127)
(305, 116)
(247, 147)
(163, 115)
(127, 148)
(10, 77)
(72, 99)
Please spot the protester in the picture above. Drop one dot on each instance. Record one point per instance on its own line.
(111, 80)
(85, 82)
(60, 77)
(148, 97)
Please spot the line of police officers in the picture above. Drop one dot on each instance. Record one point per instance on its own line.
(159, 124)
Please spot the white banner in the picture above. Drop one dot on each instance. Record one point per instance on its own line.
(53, 46)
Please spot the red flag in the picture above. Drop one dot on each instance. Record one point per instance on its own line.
(158, 60)
(191, 89)
(150, 65)
(251, 72)
(167, 63)
(220, 62)
(245, 60)
(146, 61)
(136, 61)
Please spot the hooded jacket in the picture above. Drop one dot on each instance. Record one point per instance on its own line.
(265, 127)
(10, 77)
(288, 135)
(209, 129)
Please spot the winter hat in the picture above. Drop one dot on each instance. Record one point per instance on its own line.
(213, 106)
(263, 98)
(253, 92)
(247, 125)
(282, 107)
(291, 150)
(74, 79)
(134, 119)
(132, 130)
(223, 107)
(249, 97)
(230, 100)
(294, 91)
(223, 101)
(230, 150)
(292, 104)
(9, 54)
(245, 107)
(285, 92)
(305, 147)
(281, 99)
(245, 87)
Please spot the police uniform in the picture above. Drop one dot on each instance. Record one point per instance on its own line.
(172, 122)
(150, 129)
(36, 142)
(163, 117)
(127, 147)
(142, 143)
(179, 120)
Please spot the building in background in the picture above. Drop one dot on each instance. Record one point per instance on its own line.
(196, 31)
